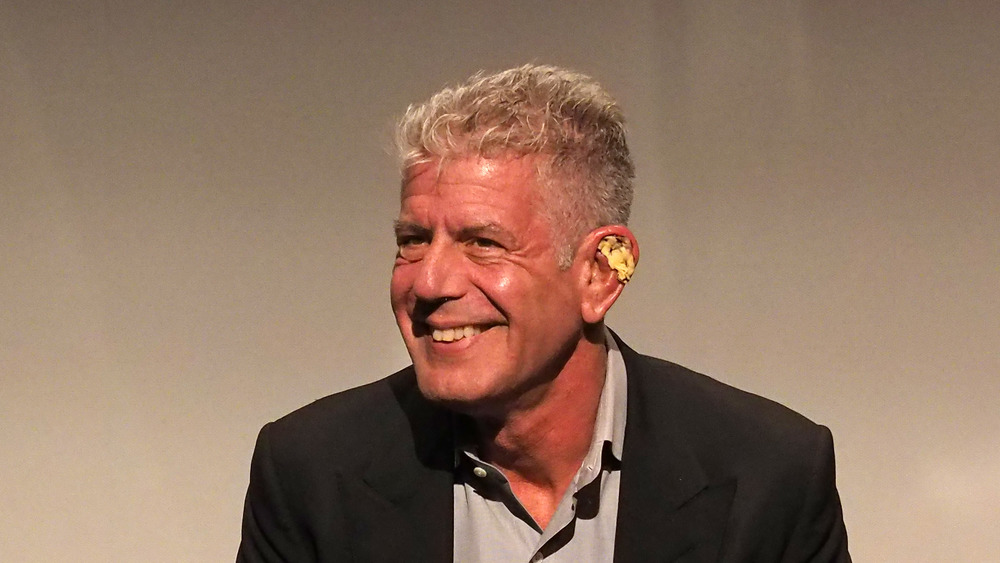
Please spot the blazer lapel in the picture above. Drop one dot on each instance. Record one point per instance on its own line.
(668, 508)
(407, 489)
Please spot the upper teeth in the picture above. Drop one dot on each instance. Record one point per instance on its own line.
(452, 334)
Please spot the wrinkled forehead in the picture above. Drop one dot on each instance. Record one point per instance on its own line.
(459, 193)
(512, 173)
(544, 191)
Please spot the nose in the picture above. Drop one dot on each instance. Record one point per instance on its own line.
(441, 273)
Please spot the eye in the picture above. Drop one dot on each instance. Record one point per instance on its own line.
(483, 248)
(483, 242)
(408, 240)
(411, 247)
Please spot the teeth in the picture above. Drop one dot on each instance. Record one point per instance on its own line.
(453, 334)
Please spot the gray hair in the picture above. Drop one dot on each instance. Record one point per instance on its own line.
(562, 115)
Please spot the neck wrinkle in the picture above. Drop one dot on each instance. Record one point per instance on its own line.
(545, 444)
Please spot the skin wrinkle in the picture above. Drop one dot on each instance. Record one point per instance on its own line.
(533, 377)
(540, 152)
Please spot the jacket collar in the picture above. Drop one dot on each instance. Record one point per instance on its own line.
(668, 509)
(414, 475)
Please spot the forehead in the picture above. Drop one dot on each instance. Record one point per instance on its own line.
(474, 183)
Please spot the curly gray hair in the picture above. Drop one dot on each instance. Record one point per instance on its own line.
(559, 114)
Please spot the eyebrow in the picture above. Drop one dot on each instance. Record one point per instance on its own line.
(406, 227)
(488, 229)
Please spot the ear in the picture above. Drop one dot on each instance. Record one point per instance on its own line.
(600, 282)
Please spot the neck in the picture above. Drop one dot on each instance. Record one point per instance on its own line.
(541, 445)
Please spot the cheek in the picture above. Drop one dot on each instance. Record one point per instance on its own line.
(500, 285)
(399, 287)
(503, 283)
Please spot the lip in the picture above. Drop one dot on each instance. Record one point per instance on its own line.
(455, 334)
(456, 349)
(423, 328)
(423, 332)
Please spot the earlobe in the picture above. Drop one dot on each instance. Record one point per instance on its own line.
(610, 255)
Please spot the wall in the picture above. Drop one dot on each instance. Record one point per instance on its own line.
(195, 214)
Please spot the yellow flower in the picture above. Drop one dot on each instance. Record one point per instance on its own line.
(618, 251)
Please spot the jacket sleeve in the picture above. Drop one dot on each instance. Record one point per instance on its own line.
(270, 531)
(820, 535)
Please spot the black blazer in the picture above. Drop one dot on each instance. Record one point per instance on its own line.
(709, 473)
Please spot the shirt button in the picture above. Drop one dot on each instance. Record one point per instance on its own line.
(479, 472)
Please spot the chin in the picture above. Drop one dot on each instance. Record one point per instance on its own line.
(447, 390)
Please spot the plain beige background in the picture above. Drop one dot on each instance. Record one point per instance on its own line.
(195, 238)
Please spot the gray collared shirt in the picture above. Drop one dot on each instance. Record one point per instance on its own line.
(492, 525)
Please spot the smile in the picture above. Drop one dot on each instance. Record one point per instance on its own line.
(453, 334)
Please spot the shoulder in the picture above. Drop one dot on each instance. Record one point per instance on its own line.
(345, 430)
(725, 427)
(782, 463)
(327, 469)
(693, 394)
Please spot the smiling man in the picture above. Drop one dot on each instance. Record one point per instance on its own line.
(525, 430)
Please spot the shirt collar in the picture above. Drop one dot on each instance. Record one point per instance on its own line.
(609, 427)
(610, 424)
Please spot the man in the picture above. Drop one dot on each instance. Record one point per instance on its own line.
(525, 430)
